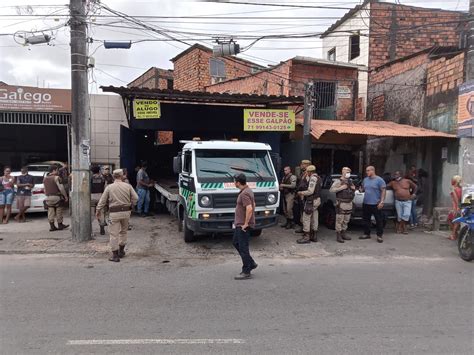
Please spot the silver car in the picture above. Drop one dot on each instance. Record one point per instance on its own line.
(37, 194)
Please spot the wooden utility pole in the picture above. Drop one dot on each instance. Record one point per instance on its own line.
(80, 125)
(307, 116)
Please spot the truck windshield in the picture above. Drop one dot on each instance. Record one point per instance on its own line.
(224, 164)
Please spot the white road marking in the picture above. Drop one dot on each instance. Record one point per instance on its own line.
(154, 341)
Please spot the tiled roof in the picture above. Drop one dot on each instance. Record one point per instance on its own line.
(372, 128)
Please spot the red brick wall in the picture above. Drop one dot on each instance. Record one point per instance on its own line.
(382, 74)
(445, 74)
(397, 31)
(192, 70)
(154, 78)
(378, 108)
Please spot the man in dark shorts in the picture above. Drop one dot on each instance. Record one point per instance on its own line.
(24, 184)
(243, 222)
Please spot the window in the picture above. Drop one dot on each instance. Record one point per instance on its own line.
(325, 100)
(187, 165)
(169, 84)
(354, 46)
(332, 54)
(217, 68)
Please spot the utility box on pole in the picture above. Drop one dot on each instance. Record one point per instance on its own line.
(80, 125)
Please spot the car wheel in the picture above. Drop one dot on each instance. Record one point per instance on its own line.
(256, 232)
(329, 217)
(189, 235)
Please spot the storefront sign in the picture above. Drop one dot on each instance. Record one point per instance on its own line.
(146, 109)
(344, 92)
(466, 110)
(26, 98)
(269, 120)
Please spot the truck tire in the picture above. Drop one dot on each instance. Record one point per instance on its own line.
(189, 236)
(255, 232)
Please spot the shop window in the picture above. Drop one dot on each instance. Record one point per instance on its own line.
(332, 54)
(354, 46)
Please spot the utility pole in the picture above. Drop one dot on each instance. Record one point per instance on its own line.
(308, 116)
(80, 125)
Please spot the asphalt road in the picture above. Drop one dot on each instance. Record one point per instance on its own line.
(328, 305)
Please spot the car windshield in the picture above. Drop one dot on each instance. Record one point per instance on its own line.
(224, 164)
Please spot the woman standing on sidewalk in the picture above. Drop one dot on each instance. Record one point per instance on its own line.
(456, 197)
(6, 194)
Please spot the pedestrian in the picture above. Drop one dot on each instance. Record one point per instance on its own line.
(405, 192)
(345, 192)
(456, 199)
(288, 188)
(413, 175)
(143, 190)
(7, 194)
(56, 198)
(120, 198)
(125, 176)
(374, 188)
(107, 176)
(244, 221)
(311, 196)
(301, 186)
(64, 174)
(97, 189)
(24, 183)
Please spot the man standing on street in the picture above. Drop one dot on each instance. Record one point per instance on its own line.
(120, 198)
(244, 221)
(56, 197)
(107, 176)
(288, 187)
(24, 184)
(143, 190)
(301, 185)
(97, 189)
(405, 193)
(311, 201)
(374, 189)
(345, 192)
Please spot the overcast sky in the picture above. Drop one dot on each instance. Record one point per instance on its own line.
(49, 65)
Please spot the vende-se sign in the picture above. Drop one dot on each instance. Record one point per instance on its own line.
(26, 98)
(269, 120)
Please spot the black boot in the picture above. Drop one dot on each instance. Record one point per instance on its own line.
(290, 224)
(52, 227)
(313, 236)
(299, 230)
(284, 225)
(62, 226)
(121, 252)
(339, 237)
(345, 236)
(304, 239)
(115, 256)
(102, 230)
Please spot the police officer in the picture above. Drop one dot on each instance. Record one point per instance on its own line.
(56, 197)
(301, 184)
(288, 187)
(311, 201)
(97, 189)
(120, 198)
(345, 192)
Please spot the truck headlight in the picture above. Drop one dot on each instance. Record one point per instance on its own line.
(205, 201)
(271, 199)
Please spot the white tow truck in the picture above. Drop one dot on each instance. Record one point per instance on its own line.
(204, 197)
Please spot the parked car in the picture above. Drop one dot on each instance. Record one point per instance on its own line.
(328, 202)
(44, 165)
(37, 194)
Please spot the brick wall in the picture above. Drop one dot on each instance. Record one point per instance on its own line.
(384, 73)
(192, 70)
(445, 74)
(397, 31)
(378, 108)
(153, 78)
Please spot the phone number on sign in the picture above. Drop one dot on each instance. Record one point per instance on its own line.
(268, 127)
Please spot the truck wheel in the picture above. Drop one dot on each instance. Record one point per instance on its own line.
(189, 236)
(256, 233)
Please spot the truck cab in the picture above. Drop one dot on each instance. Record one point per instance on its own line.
(207, 194)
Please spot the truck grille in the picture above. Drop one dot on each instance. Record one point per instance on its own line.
(230, 200)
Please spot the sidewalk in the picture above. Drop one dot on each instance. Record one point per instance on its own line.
(158, 236)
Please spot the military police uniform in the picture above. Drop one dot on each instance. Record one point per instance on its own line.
(311, 202)
(344, 197)
(120, 198)
(54, 202)
(302, 185)
(289, 186)
(97, 189)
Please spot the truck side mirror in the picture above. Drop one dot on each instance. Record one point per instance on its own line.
(177, 164)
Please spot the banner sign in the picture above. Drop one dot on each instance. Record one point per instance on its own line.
(144, 109)
(27, 98)
(269, 120)
(466, 110)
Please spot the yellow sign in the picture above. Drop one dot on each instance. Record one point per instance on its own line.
(146, 109)
(269, 120)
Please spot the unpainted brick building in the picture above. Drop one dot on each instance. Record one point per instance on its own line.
(154, 78)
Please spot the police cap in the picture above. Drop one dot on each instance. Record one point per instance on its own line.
(311, 168)
(117, 173)
(306, 161)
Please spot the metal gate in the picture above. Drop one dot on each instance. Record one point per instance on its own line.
(324, 100)
(35, 118)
